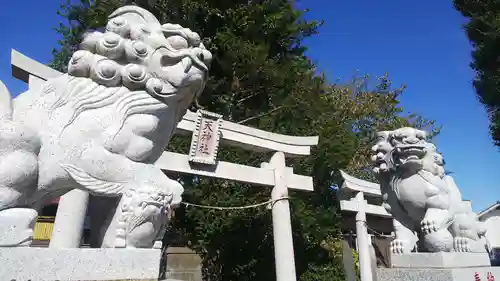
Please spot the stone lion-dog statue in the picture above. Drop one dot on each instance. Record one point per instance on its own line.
(101, 126)
(424, 201)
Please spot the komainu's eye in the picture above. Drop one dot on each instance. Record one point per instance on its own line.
(177, 42)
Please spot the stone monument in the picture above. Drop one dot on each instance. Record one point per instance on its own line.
(99, 128)
(437, 236)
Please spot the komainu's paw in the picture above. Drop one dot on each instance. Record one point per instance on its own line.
(428, 226)
(399, 246)
(462, 244)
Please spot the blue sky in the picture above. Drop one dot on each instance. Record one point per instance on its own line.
(419, 43)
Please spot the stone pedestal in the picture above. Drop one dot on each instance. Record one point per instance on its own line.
(440, 260)
(438, 267)
(103, 264)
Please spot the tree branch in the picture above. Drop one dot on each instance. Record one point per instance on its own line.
(261, 115)
(246, 98)
(198, 105)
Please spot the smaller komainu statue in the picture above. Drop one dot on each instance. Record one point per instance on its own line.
(101, 127)
(424, 201)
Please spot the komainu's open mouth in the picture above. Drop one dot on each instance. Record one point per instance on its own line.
(409, 153)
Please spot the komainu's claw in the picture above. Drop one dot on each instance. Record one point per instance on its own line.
(399, 246)
(462, 244)
(428, 226)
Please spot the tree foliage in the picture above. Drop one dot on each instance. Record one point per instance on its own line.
(260, 77)
(483, 31)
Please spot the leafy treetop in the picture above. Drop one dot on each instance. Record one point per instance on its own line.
(483, 31)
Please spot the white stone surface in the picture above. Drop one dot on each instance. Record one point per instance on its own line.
(435, 274)
(79, 264)
(176, 162)
(491, 219)
(363, 240)
(440, 260)
(16, 228)
(282, 227)
(68, 225)
(354, 184)
(421, 197)
(101, 128)
(35, 83)
(353, 206)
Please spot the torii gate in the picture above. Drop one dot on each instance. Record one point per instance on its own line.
(69, 221)
(353, 199)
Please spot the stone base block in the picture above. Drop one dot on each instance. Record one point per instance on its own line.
(183, 264)
(440, 260)
(435, 274)
(35, 264)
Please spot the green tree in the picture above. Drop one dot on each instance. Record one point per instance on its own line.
(483, 31)
(260, 77)
(370, 105)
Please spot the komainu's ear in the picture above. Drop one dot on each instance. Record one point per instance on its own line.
(5, 103)
(421, 134)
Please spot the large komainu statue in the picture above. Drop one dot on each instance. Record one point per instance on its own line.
(424, 201)
(101, 127)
